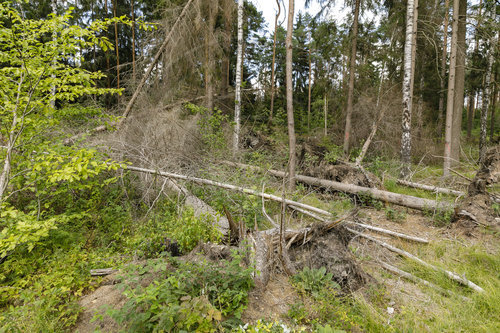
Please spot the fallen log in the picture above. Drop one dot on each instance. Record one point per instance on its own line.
(416, 279)
(430, 188)
(102, 271)
(230, 187)
(406, 254)
(395, 198)
(367, 226)
(199, 206)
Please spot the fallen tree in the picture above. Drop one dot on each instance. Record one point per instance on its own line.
(431, 188)
(386, 196)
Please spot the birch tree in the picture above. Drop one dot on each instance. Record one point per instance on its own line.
(352, 68)
(407, 89)
(237, 107)
(289, 98)
(443, 68)
(451, 91)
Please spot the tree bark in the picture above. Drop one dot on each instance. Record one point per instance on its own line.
(431, 188)
(407, 90)
(289, 99)
(273, 65)
(352, 68)
(237, 107)
(493, 109)
(443, 69)
(458, 103)
(470, 115)
(451, 91)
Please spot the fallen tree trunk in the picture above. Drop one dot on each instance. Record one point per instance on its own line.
(367, 226)
(230, 187)
(416, 279)
(430, 188)
(395, 198)
(403, 253)
(199, 206)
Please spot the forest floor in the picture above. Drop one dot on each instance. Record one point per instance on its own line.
(387, 302)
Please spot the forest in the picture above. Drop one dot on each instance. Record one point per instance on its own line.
(195, 166)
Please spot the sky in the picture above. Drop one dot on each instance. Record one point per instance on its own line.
(269, 10)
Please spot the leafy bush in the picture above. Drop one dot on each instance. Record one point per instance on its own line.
(193, 297)
(314, 280)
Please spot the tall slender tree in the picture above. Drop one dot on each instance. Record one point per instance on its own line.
(273, 65)
(451, 91)
(289, 99)
(237, 107)
(443, 68)
(487, 88)
(458, 97)
(407, 88)
(133, 39)
(116, 46)
(352, 68)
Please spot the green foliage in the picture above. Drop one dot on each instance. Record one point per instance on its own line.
(149, 238)
(314, 280)
(211, 126)
(395, 215)
(189, 296)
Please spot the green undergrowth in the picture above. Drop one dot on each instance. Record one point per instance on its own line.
(186, 296)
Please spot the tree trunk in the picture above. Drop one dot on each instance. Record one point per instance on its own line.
(107, 52)
(325, 115)
(443, 69)
(309, 94)
(227, 55)
(237, 107)
(133, 40)
(386, 196)
(458, 103)
(487, 91)
(470, 115)
(273, 65)
(493, 107)
(352, 68)
(289, 99)
(116, 47)
(451, 91)
(407, 90)
(209, 61)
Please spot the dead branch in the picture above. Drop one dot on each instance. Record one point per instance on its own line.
(431, 188)
(403, 253)
(416, 279)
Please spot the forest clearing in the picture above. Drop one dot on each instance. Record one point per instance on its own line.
(194, 166)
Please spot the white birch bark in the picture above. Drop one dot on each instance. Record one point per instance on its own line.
(451, 91)
(487, 90)
(237, 107)
(407, 89)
